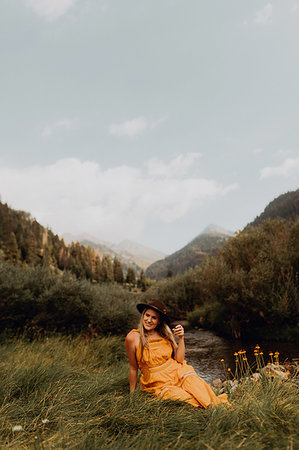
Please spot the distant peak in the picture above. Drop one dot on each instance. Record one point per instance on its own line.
(216, 229)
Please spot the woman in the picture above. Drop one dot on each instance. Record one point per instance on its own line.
(164, 373)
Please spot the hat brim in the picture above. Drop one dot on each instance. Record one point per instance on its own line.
(142, 306)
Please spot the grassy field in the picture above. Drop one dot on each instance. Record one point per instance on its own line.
(73, 393)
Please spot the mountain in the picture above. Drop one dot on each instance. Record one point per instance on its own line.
(216, 229)
(130, 254)
(205, 244)
(286, 206)
(145, 255)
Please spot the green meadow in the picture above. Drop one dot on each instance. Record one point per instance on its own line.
(72, 392)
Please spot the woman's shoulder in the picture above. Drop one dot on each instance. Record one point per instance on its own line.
(134, 330)
(133, 335)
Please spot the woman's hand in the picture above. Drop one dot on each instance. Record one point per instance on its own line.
(179, 353)
(178, 331)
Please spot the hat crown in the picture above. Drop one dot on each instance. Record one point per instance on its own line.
(158, 305)
(155, 304)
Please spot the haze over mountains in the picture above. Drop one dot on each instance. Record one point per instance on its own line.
(130, 253)
(208, 242)
(24, 240)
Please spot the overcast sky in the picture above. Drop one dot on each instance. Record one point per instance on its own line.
(148, 119)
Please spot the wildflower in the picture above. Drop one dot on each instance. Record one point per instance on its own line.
(236, 360)
(268, 363)
(221, 360)
(229, 369)
(257, 346)
(271, 354)
(261, 353)
(17, 428)
(244, 359)
(235, 354)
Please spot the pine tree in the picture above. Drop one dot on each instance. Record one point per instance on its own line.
(107, 268)
(98, 272)
(12, 251)
(142, 280)
(169, 273)
(117, 271)
(131, 277)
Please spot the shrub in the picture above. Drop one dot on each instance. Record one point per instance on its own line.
(36, 298)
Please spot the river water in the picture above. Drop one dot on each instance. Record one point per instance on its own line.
(204, 350)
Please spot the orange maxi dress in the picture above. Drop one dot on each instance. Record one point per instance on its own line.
(166, 378)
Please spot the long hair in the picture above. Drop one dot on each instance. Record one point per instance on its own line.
(162, 328)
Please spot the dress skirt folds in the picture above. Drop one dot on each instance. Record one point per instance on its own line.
(164, 377)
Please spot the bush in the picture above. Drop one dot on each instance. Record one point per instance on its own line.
(38, 299)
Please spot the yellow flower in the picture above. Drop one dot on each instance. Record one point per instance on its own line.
(271, 354)
(228, 369)
(221, 360)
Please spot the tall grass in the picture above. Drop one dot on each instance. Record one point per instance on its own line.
(73, 393)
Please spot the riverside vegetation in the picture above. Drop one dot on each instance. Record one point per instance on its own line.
(250, 289)
(63, 392)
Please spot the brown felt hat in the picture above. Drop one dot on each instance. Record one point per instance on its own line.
(157, 305)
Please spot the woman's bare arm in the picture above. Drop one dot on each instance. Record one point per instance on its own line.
(131, 346)
(179, 350)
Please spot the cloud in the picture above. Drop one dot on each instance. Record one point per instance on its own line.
(133, 128)
(113, 204)
(65, 124)
(178, 166)
(50, 9)
(257, 150)
(284, 169)
(264, 16)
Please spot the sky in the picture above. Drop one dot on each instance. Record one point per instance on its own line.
(148, 119)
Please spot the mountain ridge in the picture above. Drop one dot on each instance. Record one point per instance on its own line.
(129, 252)
(192, 254)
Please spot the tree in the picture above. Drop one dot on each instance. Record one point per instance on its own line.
(117, 271)
(12, 251)
(98, 272)
(142, 281)
(107, 268)
(131, 277)
(169, 273)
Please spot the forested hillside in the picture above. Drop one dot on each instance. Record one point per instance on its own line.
(286, 206)
(23, 241)
(190, 256)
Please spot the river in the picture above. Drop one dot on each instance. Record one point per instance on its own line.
(204, 350)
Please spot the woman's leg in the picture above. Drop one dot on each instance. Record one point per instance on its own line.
(202, 391)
